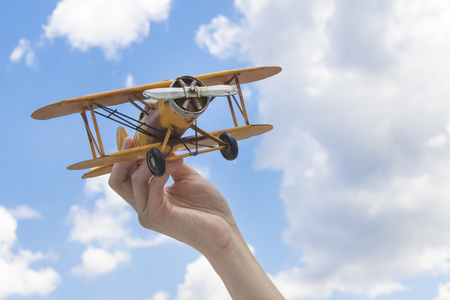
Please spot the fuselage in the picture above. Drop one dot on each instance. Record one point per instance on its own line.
(176, 115)
(159, 119)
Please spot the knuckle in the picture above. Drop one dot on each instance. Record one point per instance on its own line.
(148, 220)
(137, 178)
(112, 183)
(143, 221)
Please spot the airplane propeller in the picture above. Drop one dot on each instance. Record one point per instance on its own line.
(190, 92)
(189, 95)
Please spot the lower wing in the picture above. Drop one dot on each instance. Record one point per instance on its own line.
(103, 165)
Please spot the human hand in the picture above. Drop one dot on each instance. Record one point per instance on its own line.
(194, 212)
(191, 210)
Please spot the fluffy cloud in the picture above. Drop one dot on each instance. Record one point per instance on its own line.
(219, 37)
(361, 135)
(200, 282)
(16, 276)
(105, 230)
(109, 25)
(444, 291)
(97, 261)
(129, 82)
(161, 296)
(23, 50)
(103, 224)
(25, 212)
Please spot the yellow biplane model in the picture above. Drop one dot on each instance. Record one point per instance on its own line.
(167, 110)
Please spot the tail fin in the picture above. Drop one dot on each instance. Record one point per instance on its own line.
(121, 134)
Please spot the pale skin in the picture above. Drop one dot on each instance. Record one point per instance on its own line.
(194, 212)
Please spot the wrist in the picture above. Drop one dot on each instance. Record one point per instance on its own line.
(241, 273)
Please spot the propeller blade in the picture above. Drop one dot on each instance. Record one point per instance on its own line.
(218, 90)
(190, 92)
(165, 93)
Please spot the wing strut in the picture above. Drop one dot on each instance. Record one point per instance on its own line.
(241, 107)
(145, 112)
(166, 139)
(221, 144)
(244, 111)
(232, 111)
(96, 145)
(207, 134)
(125, 120)
(97, 132)
(92, 142)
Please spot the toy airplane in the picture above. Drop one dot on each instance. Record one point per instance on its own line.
(175, 107)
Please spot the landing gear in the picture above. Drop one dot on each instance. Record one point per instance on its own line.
(231, 151)
(156, 162)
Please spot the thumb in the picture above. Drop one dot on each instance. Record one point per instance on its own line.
(158, 183)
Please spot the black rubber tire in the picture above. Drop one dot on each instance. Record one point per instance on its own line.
(232, 150)
(156, 162)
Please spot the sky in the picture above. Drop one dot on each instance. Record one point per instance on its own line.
(347, 198)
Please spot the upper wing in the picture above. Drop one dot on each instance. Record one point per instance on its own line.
(115, 97)
(139, 153)
(76, 105)
(245, 75)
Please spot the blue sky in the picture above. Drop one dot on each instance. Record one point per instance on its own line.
(347, 198)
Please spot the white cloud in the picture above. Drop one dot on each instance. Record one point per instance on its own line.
(295, 284)
(103, 225)
(129, 82)
(97, 261)
(219, 37)
(25, 212)
(443, 292)
(105, 230)
(437, 141)
(161, 296)
(200, 282)
(23, 50)
(16, 275)
(7, 230)
(108, 25)
(364, 88)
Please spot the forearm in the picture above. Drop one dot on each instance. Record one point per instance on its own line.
(242, 274)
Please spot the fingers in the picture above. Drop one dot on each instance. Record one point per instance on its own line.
(119, 179)
(147, 188)
(183, 172)
(140, 186)
(121, 171)
(156, 189)
(149, 194)
(158, 183)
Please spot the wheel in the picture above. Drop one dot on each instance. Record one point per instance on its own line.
(156, 162)
(231, 151)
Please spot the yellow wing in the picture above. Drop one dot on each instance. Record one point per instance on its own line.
(76, 105)
(116, 97)
(103, 165)
(245, 75)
